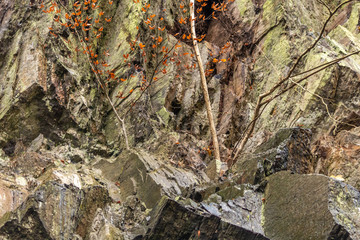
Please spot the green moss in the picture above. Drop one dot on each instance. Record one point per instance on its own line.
(352, 23)
(231, 192)
(128, 18)
(164, 115)
(244, 6)
(10, 74)
(316, 82)
(92, 94)
(158, 209)
(273, 9)
(114, 234)
(112, 129)
(263, 219)
(344, 201)
(170, 5)
(277, 48)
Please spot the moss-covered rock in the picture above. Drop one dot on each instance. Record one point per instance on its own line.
(55, 123)
(139, 174)
(312, 202)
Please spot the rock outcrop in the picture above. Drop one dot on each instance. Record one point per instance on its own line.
(65, 170)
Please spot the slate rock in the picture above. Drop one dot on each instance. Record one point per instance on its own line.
(288, 149)
(310, 207)
(174, 221)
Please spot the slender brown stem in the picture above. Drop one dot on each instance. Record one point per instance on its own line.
(260, 102)
(99, 81)
(309, 75)
(205, 89)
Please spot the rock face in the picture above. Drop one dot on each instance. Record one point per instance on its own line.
(338, 155)
(142, 175)
(288, 149)
(325, 207)
(65, 170)
(177, 222)
(58, 209)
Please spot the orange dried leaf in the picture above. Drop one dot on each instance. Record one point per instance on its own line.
(141, 45)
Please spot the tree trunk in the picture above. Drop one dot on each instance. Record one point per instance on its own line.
(205, 90)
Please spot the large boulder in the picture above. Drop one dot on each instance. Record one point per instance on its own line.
(139, 173)
(310, 207)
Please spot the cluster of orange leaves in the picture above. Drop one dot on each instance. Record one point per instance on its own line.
(79, 19)
(216, 7)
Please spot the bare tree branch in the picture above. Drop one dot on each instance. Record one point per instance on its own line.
(260, 102)
(82, 41)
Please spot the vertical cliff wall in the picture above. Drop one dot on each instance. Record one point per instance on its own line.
(65, 170)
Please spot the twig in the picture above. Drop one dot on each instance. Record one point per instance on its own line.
(165, 57)
(305, 90)
(309, 75)
(327, 7)
(286, 78)
(98, 79)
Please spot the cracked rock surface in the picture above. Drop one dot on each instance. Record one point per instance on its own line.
(65, 171)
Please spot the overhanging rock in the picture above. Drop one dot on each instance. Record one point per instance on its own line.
(174, 221)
